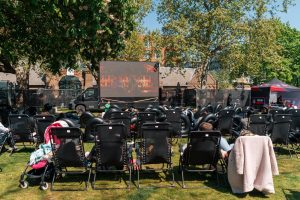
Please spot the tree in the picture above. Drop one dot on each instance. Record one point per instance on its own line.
(289, 39)
(134, 48)
(211, 30)
(58, 34)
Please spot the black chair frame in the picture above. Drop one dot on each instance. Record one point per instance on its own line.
(20, 129)
(152, 134)
(109, 138)
(70, 134)
(196, 154)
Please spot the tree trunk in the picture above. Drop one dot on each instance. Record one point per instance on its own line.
(201, 74)
(22, 76)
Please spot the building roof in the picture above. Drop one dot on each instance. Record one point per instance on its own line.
(171, 76)
(8, 77)
(34, 78)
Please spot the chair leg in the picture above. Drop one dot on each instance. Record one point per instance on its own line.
(295, 151)
(94, 181)
(182, 178)
(87, 182)
(138, 178)
(129, 178)
(173, 178)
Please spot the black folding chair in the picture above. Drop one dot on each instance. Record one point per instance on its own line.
(295, 125)
(68, 153)
(41, 123)
(274, 112)
(20, 129)
(201, 154)
(281, 131)
(173, 117)
(111, 151)
(144, 117)
(258, 123)
(225, 121)
(123, 118)
(155, 148)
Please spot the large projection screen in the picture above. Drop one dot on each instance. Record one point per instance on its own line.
(128, 79)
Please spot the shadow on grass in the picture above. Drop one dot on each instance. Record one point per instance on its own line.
(70, 182)
(141, 194)
(106, 181)
(21, 149)
(153, 179)
(291, 194)
(13, 189)
(282, 150)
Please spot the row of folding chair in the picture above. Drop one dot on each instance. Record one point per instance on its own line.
(113, 156)
(279, 127)
(22, 127)
(172, 117)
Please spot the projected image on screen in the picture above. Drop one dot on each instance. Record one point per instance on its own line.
(128, 79)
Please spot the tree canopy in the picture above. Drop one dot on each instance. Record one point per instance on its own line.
(237, 34)
(59, 33)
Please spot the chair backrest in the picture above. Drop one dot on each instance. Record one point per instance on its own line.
(225, 120)
(173, 117)
(123, 118)
(274, 112)
(281, 128)
(41, 123)
(45, 117)
(258, 123)
(144, 117)
(68, 151)
(202, 148)
(20, 127)
(156, 145)
(295, 125)
(110, 143)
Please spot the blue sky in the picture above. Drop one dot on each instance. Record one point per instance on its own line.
(292, 17)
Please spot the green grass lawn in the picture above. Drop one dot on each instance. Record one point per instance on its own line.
(287, 184)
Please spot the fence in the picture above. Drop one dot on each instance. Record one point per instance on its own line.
(239, 97)
(60, 98)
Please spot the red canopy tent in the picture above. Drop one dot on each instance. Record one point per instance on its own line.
(267, 93)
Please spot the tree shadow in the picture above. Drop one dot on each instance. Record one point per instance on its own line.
(13, 189)
(291, 194)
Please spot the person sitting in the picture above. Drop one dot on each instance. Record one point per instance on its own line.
(47, 109)
(5, 134)
(225, 148)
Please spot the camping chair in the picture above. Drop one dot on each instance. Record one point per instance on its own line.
(19, 125)
(225, 121)
(111, 151)
(281, 131)
(173, 117)
(41, 123)
(144, 117)
(274, 112)
(154, 149)
(123, 118)
(68, 153)
(202, 149)
(295, 125)
(258, 123)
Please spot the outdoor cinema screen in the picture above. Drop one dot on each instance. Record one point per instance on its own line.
(128, 79)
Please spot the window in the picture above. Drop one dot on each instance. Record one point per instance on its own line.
(69, 82)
